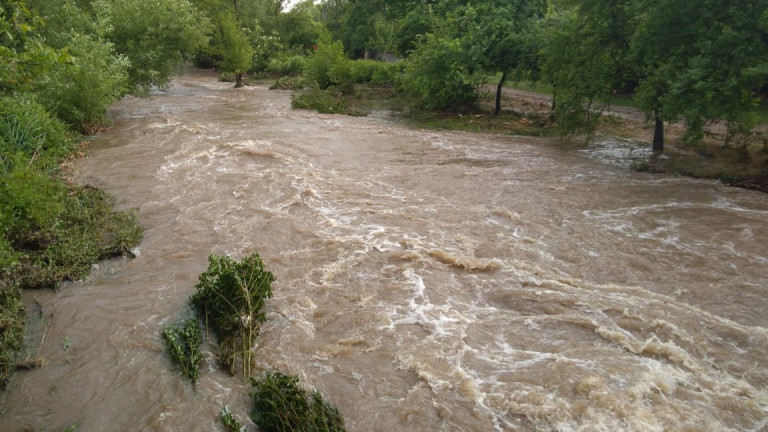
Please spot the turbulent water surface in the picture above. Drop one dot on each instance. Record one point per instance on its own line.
(425, 280)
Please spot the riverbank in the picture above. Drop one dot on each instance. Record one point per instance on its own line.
(51, 229)
(740, 161)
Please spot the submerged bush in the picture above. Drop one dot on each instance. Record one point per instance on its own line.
(281, 405)
(288, 83)
(230, 296)
(183, 341)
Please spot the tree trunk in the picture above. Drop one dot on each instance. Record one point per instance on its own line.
(498, 93)
(658, 133)
(239, 80)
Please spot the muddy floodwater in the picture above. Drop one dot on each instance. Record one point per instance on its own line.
(426, 280)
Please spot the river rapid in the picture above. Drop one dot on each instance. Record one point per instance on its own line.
(426, 280)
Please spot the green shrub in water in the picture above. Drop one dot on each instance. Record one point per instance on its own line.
(230, 296)
(281, 405)
(183, 341)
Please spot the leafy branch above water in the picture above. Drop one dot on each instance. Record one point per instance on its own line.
(183, 341)
(230, 296)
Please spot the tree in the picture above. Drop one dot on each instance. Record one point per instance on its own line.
(157, 36)
(23, 55)
(580, 68)
(79, 92)
(691, 60)
(502, 30)
(699, 60)
(233, 47)
(439, 72)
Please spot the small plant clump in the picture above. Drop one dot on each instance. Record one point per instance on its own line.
(230, 422)
(230, 296)
(281, 405)
(183, 341)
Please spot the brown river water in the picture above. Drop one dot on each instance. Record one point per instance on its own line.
(426, 280)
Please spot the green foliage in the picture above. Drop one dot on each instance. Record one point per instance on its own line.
(700, 60)
(80, 92)
(580, 69)
(440, 75)
(386, 73)
(230, 296)
(29, 132)
(63, 19)
(346, 72)
(11, 329)
(320, 65)
(23, 55)
(290, 65)
(183, 341)
(266, 47)
(232, 46)
(281, 405)
(156, 36)
(297, 29)
(230, 422)
(288, 83)
(328, 101)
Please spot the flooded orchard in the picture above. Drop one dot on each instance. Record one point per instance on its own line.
(426, 280)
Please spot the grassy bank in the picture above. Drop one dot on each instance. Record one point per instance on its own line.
(50, 229)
